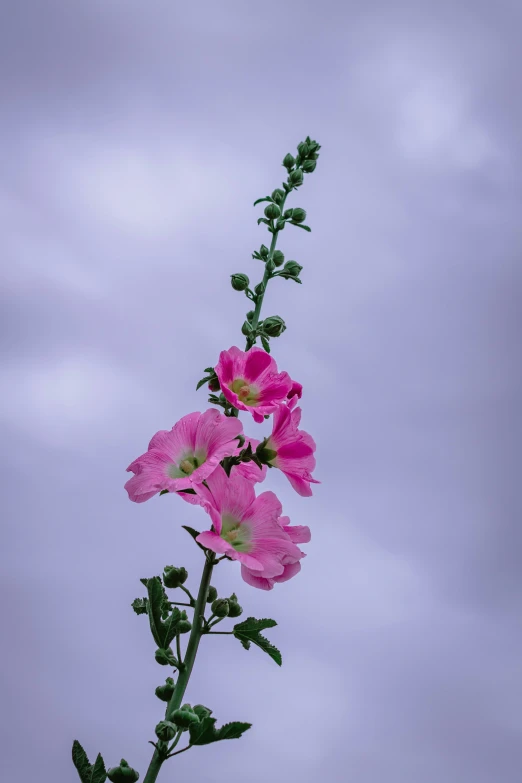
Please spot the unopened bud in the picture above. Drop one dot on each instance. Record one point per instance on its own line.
(212, 594)
(165, 730)
(214, 385)
(184, 717)
(235, 609)
(165, 657)
(202, 711)
(278, 258)
(288, 161)
(264, 454)
(274, 326)
(246, 328)
(220, 607)
(278, 195)
(296, 177)
(174, 577)
(259, 289)
(240, 282)
(272, 211)
(303, 149)
(270, 266)
(298, 215)
(123, 773)
(263, 251)
(164, 692)
(309, 166)
(292, 268)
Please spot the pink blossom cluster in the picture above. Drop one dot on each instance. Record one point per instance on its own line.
(245, 527)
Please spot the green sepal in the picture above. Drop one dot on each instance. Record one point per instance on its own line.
(194, 534)
(204, 732)
(203, 381)
(81, 762)
(248, 632)
(209, 369)
(300, 225)
(259, 200)
(263, 220)
(140, 605)
(164, 492)
(265, 343)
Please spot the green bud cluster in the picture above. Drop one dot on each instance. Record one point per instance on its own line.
(184, 717)
(174, 577)
(164, 692)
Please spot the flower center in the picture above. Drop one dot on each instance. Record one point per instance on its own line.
(187, 465)
(235, 534)
(246, 393)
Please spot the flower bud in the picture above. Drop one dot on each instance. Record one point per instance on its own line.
(274, 326)
(270, 266)
(288, 213)
(309, 166)
(292, 268)
(250, 315)
(240, 282)
(184, 717)
(165, 730)
(164, 692)
(280, 224)
(123, 773)
(174, 577)
(278, 195)
(212, 594)
(288, 161)
(234, 608)
(259, 290)
(246, 328)
(278, 257)
(272, 211)
(183, 626)
(214, 385)
(202, 711)
(220, 607)
(298, 215)
(165, 657)
(296, 177)
(263, 251)
(303, 149)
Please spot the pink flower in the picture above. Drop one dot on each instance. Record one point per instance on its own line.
(299, 534)
(294, 449)
(250, 381)
(183, 456)
(295, 393)
(249, 528)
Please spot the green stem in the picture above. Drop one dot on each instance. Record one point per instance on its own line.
(190, 656)
(266, 277)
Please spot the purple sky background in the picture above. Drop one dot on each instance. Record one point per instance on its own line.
(135, 139)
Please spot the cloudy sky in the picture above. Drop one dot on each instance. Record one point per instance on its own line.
(135, 139)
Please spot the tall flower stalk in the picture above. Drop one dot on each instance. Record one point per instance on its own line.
(207, 460)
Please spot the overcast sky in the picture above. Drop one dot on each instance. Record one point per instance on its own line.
(135, 139)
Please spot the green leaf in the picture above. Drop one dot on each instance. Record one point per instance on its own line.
(209, 369)
(170, 625)
(248, 632)
(81, 762)
(98, 773)
(204, 732)
(140, 605)
(259, 200)
(263, 220)
(300, 225)
(155, 605)
(164, 492)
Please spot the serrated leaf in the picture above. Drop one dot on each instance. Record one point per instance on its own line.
(204, 732)
(300, 225)
(140, 605)
(248, 632)
(81, 762)
(259, 200)
(98, 773)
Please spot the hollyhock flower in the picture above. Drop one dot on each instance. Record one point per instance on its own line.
(293, 448)
(183, 456)
(299, 534)
(295, 394)
(248, 528)
(250, 381)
